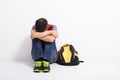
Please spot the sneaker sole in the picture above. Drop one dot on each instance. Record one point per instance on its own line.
(37, 71)
(46, 70)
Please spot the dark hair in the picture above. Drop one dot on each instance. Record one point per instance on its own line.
(41, 24)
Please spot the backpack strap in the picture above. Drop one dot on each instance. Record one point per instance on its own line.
(81, 61)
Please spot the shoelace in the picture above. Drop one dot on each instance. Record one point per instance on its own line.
(45, 64)
(38, 64)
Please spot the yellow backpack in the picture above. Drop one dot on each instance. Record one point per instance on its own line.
(67, 55)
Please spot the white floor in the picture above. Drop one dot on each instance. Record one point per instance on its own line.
(22, 70)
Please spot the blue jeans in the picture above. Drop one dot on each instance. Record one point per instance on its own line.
(49, 52)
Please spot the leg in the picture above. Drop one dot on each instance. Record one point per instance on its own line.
(50, 52)
(50, 55)
(37, 51)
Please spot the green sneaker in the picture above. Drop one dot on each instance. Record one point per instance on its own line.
(38, 66)
(46, 66)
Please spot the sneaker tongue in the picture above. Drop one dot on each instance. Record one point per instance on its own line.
(45, 63)
(38, 64)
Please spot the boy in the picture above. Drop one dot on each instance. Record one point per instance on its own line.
(44, 50)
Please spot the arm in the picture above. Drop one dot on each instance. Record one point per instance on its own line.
(51, 37)
(48, 36)
(35, 34)
(54, 33)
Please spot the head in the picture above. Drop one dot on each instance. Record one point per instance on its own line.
(41, 25)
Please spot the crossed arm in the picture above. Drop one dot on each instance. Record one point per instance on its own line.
(47, 36)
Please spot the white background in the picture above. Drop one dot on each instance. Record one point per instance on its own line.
(92, 26)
